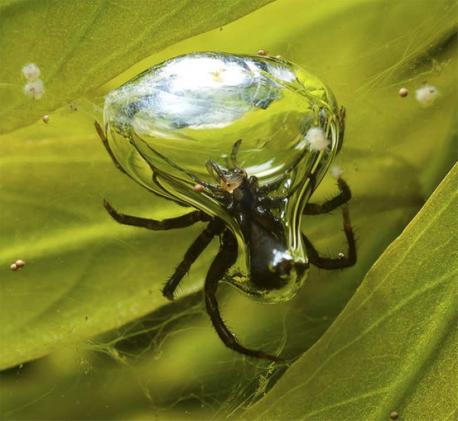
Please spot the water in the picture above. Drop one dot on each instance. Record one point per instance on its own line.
(85, 274)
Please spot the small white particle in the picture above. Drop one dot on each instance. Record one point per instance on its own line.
(341, 255)
(34, 89)
(31, 72)
(336, 171)
(426, 95)
(316, 139)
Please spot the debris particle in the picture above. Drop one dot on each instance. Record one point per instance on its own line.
(403, 92)
(426, 95)
(261, 52)
(316, 139)
(336, 171)
(45, 118)
(31, 72)
(20, 263)
(341, 255)
(34, 89)
(394, 415)
(198, 188)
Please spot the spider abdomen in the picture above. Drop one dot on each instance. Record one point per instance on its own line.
(273, 271)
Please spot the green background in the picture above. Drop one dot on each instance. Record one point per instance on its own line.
(84, 330)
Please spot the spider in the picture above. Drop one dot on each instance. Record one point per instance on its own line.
(270, 265)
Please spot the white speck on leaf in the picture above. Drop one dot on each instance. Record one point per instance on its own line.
(31, 72)
(336, 171)
(34, 89)
(426, 95)
(316, 139)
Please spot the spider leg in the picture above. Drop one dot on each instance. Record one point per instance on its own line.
(274, 185)
(335, 263)
(164, 194)
(225, 258)
(343, 197)
(166, 224)
(104, 140)
(234, 152)
(269, 188)
(210, 187)
(272, 202)
(342, 115)
(215, 227)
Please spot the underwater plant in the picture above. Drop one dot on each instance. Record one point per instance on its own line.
(86, 332)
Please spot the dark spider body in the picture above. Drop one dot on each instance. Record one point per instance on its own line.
(262, 231)
(238, 209)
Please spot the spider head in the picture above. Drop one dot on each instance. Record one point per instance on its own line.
(228, 179)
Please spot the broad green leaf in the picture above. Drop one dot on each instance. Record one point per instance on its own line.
(394, 346)
(86, 275)
(79, 45)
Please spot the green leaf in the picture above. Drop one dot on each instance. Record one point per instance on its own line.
(393, 348)
(86, 275)
(81, 45)
(54, 178)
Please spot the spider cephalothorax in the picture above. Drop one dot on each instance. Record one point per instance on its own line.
(169, 129)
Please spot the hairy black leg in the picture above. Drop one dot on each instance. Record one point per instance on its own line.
(342, 115)
(340, 262)
(343, 197)
(215, 227)
(223, 261)
(104, 140)
(166, 224)
(234, 152)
